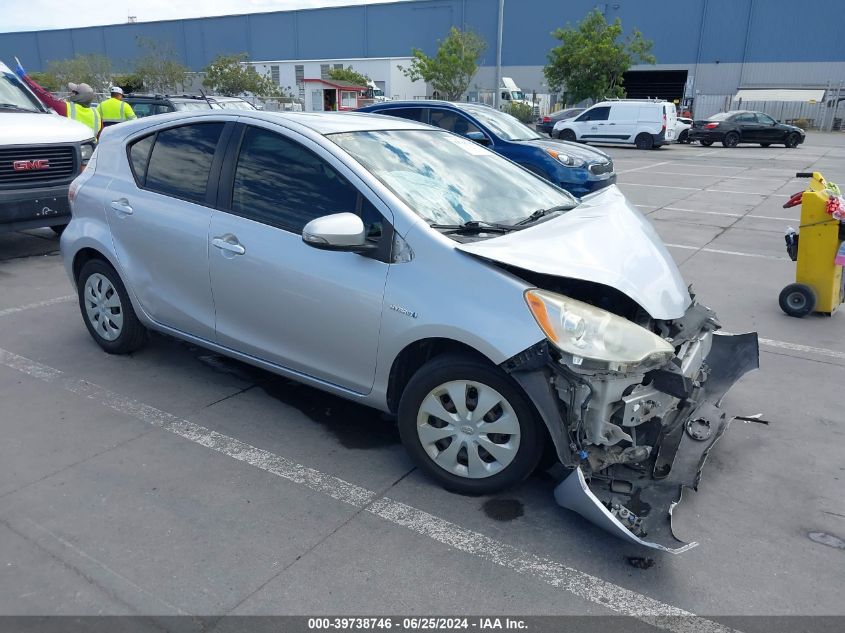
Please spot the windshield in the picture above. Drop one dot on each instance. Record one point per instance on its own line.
(517, 95)
(191, 105)
(502, 124)
(13, 96)
(449, 180)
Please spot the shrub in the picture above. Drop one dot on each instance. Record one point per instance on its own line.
(521, 111)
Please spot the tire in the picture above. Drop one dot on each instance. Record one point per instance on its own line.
(731, 139)
(567, 135)
(792, 140)
(706, 143)
(644, 141)
(430, 431)
(765, 144)
(798, 300)
(683, 137)
(106, 309)
(58, 230)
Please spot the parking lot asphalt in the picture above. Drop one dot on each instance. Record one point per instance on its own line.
(175, 481)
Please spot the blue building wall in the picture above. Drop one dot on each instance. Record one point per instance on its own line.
(703, 31)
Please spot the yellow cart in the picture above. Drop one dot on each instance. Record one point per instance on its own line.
(818, 280)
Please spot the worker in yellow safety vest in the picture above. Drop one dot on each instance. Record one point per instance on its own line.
(115, 109)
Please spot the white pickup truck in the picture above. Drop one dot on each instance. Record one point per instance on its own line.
(40, 154)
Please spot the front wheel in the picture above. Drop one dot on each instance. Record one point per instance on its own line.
(683, 137)
(468, 426)
(567, 135)
(731, 139)
(106, 309)
(797, 300)
(792, 140)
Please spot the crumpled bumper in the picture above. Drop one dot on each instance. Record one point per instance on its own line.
(636, 504)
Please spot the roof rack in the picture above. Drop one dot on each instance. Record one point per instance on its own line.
(646, 100)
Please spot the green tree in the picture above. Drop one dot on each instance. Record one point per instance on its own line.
(92, 69)
(231, 75)
(157, 69)
(591, 59)
(348, 74)
(130, 82)
(521, 111)
(46, 80)
(452, 68)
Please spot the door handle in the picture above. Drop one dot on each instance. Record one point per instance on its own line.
(122, 206)
(228, 243)
(611, 124)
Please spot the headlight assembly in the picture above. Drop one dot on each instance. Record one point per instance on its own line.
(585, 331)
(565, 159)
(86, 151)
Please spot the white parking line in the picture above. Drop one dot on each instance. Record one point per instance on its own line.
(750, 193)
(642, 184)
(731, 215)
(674, 173)
(806, 349)
(578, 583)
(39, 304)
(627, 171)
(721, 252)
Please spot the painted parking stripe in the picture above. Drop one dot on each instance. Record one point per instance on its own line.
(723, 252)
(581, 584)
(731, 215)
(749, 193)
(627, 171)
(38, 304)
(805, 349)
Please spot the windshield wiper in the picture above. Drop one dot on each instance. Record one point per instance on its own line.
(539, 213)
(12, 106)
(474, 225)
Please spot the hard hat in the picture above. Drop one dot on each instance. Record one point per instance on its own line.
(116, 90)
(81, 93)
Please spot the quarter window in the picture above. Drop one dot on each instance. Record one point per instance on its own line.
(139, 154)
(181, 160)
(279, 182)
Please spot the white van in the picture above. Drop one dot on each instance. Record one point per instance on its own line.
(40, 154)
(646, 123)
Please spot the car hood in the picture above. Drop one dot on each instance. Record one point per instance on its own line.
(604, 240)
(36, 128)
(576, 150)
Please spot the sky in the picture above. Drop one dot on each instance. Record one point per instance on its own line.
(35, 15)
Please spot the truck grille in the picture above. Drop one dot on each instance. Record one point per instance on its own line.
(602, 168)
(21, 165)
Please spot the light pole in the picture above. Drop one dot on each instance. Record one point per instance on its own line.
(497, 88)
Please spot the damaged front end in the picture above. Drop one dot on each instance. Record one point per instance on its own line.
(636, 436)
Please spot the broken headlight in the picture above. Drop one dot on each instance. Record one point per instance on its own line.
(586, 331)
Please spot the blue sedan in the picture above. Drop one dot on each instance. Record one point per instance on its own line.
(577, 168)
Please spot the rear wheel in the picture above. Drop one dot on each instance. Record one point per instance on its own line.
(798, 300)
(567, 135)
(106, 309)
(764, 144)
(792, 140)
(706, 143)
(731, 139)
(469, 426)
(644, 141)
(683, 137)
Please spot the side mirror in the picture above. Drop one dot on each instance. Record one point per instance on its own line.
(337, 232)
(478, 137)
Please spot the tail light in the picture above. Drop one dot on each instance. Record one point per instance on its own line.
(710, 126)
(547, 119)
(664, 122)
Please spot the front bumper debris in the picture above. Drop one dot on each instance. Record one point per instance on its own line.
(636, 501)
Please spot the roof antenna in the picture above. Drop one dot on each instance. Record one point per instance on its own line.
(202, 92)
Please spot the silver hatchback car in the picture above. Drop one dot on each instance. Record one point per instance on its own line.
(502, 320)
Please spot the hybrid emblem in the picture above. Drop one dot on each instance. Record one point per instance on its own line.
(404, 311)
(28, 165)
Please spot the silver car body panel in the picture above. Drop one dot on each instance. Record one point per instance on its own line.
(339, 321)
(604, 240)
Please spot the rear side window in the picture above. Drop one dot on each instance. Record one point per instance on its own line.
(181, 161)
(452, 121)
(412, 114)
(143, 109)
(748, 117)
(281, 183)
(139, 155)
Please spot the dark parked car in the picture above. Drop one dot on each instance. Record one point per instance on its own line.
(743, 126)
(547, 123)
(577, 168)
(147, 105)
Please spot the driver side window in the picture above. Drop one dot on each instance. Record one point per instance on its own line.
(281, 183)
(595, 114)
(453, 122)
(765, 119)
